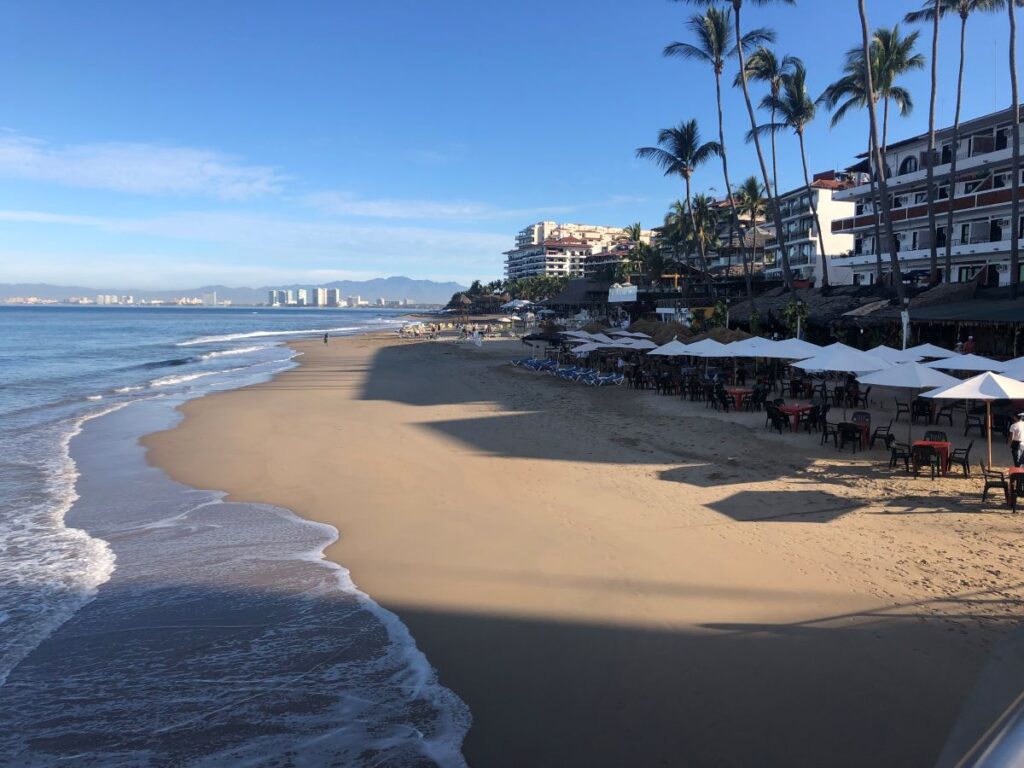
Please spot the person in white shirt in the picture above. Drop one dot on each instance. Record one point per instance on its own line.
(1016, 437)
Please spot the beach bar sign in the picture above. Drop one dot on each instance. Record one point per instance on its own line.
(621, 293)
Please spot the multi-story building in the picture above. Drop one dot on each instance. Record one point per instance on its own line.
(333, 297)
(318, 297)
(550, 248)
(980, 196)
(805, 258)
(301, 297)
(354, 301)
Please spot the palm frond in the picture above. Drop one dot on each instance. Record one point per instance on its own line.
(686, 51)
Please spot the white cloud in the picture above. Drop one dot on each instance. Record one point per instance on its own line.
(148, 169)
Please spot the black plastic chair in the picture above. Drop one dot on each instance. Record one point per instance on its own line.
(936, 436)
(901, 408)
(812, 419)
(994, 479)
(975, 420)
(780, 421)
(838, 396)
(881, 433)
(849, 433)
(898, 452)
(923, 455)
(945, 412)
(920, 409)
(961, 457)
(862, 398)
(830, 430)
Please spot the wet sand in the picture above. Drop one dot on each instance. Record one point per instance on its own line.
(610, 577)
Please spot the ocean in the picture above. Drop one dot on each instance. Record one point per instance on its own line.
(143, 622)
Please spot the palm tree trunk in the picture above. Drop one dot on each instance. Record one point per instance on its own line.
(933, 249)
(734, 223)
(954, 141)
(897, 273)
(876, 206)
(775, 162)
(787, 273)
(814, 210)
(698, 237)
(1015, 184)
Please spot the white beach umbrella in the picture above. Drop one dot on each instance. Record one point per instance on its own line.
(644, 344)
(793, 349)
(842, 359)
(910, 376)
(578, 335)
(619, 332)
(967, 363)
(601, 337)
(891, 355)
(929, 351)
(639, 335)
(707, 348)
(587, 348)
(674, 348)
(988, 387)
(1015, 371)
(755, 346)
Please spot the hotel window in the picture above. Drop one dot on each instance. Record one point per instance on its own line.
(943, 192)
(920, 197)
(970, 186)
(1000, 180)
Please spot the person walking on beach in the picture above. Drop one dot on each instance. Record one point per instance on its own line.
(1016, 437)
(325, 338)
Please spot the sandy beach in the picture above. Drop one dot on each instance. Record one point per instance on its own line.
(610, 577)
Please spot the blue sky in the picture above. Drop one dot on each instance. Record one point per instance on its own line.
(149, 144)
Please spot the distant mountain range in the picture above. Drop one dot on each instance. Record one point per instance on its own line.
(389, 288)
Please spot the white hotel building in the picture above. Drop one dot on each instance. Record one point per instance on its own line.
(553, 249)
(980, 197)
(805, 258)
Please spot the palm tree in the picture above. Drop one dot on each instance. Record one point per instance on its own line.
(796, 110)
(1015, 165)
(876, 151)
(679, 153)
(851, 91)
(705, 222)
(764, 66)
(896, 57)
(714, 43)
(963, 8)
(737, 6)
(751, 199)
(933, 261)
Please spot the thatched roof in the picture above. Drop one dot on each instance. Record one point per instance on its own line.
(821, 308)
(662, 333)
(722, 335)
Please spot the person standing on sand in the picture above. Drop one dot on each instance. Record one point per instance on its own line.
(1016, 437)
(325, 338)
(969, 346)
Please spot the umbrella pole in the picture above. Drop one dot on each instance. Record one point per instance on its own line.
(988, 425)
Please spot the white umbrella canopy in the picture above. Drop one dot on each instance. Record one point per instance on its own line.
(1014, 371)
(929, 350)
(843, 359)
(793, 349)
(674, 348)
(988, 387)
(891, 355)
(619, 332)
(601, 337)
(967, 363)
(708, 348)
(578, 334)
(755, 346)
(910, 376)
(590, 346)
(643, 344)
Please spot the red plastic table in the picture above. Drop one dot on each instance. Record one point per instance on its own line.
(942, 448)
(737, 394)
(794, 412)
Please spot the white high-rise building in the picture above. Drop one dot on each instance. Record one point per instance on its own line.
(318, 297)
(289, 298)
(354, 301)
(333, 297)
(550, 248)
(302, 297)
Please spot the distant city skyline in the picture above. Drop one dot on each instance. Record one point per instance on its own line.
(352, 141)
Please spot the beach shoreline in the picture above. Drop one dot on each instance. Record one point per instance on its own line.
(609, 577)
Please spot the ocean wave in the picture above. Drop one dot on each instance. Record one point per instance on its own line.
(167, 381)
(264, 334)
(60, 568)
(228, 352)
(123, 390)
